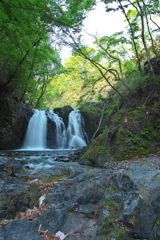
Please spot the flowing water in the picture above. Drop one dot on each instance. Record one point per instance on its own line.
(75, 130)
(72, 137)
(60, 129)
(36, 132)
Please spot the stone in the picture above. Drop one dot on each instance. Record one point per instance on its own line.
(14, 117)
(21, 229)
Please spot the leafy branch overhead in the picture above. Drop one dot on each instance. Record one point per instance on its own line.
(33, 33)
(30, 34)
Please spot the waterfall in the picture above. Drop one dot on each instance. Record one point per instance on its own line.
(36, 135)
(36, 132)
(60, 129)
(75, 131)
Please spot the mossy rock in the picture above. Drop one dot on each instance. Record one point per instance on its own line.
(131, 134)
(31, 195)
(98, 151)
(54, 178)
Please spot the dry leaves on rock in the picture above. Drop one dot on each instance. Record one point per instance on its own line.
(4, 222)
(30, 214)
(44, 187)
(48, 236)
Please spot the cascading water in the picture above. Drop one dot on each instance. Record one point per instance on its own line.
(75, 131)
(60, 129)
(35, 138)
(36, 135)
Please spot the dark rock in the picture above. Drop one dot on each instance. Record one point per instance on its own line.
(14, 117)
(155, 62)
(51, 133)
(113, 131)
(91, 113)
(63, 113)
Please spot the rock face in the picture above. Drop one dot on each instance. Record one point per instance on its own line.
(83, 202)
(63, 113)
(14, 117)
(91, 113)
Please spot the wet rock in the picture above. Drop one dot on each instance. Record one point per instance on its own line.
(63, 113)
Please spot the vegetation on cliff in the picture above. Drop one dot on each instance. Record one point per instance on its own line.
(130, 127)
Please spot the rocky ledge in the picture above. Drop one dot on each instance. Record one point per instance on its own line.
(72, 201)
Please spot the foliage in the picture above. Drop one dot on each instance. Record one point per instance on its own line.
(29, 31)
(33, 32)
(79, 82)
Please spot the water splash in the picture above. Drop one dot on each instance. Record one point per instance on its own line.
(35, 138)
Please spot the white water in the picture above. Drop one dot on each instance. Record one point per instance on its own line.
(35, 138)
(36, 135)
(60, 129)
(75, 131)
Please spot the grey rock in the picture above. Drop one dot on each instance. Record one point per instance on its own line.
(21, 229)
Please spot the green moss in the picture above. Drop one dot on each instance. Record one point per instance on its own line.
(9, 170)
(109, 222)
(54, 178)
(88, 170)
(26, 178)
(32, 194)
(138, 135)
(49, 217)
(122, 234)
(91, 111)
(113, 207)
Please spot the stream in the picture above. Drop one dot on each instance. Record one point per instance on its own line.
(37, 160)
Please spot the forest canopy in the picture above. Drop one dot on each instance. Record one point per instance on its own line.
(33, 33)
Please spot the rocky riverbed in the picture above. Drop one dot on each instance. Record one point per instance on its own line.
(70, 201)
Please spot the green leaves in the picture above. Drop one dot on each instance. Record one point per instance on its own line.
(30, 31)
